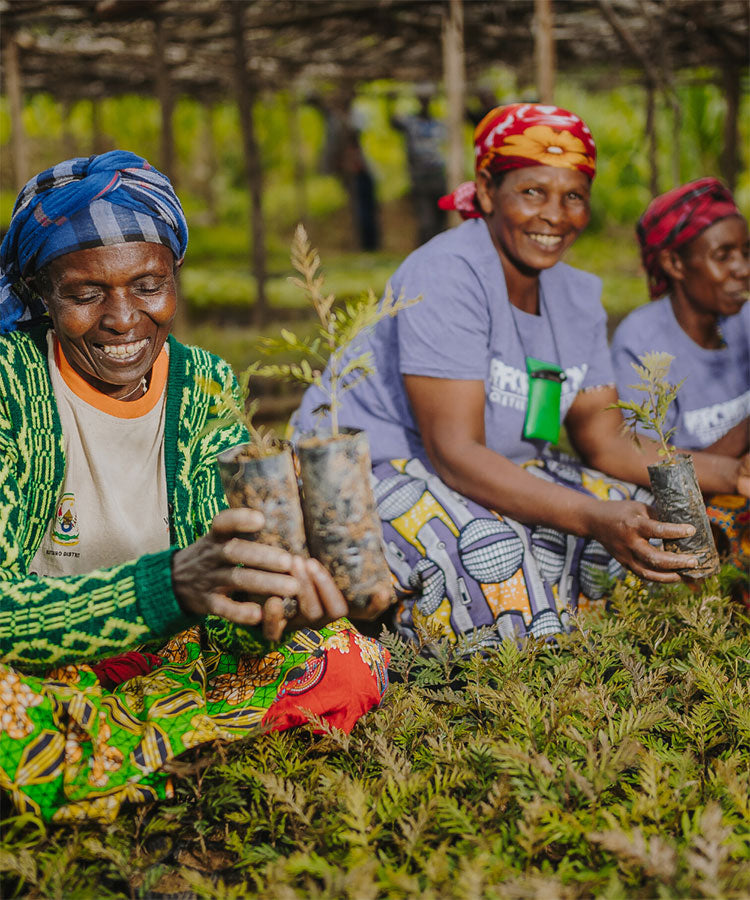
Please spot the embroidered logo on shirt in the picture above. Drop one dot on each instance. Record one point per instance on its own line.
(65, 527)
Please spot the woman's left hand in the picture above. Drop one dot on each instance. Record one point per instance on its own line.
(320, 601)
(626, 528)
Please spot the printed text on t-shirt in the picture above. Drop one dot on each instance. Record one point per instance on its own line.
(509, 386)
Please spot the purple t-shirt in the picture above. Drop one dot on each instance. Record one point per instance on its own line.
(715, 395)
(465, 328)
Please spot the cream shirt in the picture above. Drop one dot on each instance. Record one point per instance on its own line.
(113, 507)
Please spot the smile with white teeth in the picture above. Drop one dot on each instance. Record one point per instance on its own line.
(550, 241)
(123, 351)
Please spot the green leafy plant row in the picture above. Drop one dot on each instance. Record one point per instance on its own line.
(613, 764)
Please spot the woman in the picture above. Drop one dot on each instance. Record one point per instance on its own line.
(483, 525)
(695, 249)
(114, 532)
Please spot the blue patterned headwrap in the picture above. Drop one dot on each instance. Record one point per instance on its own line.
(95, 201)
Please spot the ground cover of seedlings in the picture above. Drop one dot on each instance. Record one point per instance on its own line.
(614, 765)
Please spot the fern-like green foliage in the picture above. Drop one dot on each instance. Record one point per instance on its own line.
(339, 328)
(613, 763)
(651, 413)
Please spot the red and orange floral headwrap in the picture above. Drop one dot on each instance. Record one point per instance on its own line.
(525, 134)
(674, 219)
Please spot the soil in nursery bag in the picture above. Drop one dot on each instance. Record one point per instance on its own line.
(678, 499)
(341, 519)
(268, 484)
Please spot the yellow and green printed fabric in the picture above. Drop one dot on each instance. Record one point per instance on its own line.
(71, 749)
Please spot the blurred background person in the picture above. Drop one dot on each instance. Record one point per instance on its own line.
(425, 137)
(344, 157)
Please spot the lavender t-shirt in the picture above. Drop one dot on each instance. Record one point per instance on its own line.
(715, 395)
(465, 328)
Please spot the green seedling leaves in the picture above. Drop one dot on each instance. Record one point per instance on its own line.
(613, 763)
(651, 414)
(235, 407)
(338, 330)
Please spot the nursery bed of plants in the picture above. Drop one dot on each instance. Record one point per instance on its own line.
(614, 764)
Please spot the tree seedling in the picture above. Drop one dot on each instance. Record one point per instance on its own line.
(651, 413)
(338, 329)
(237, 408)
(677, 494)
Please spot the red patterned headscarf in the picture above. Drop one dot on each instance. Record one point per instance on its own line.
(674, 219)
(525, 134)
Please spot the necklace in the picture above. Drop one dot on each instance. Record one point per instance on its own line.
(142, 385)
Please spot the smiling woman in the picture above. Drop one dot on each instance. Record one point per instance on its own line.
(695, 247)
(485, 524)
(114, 528)
(112, 309)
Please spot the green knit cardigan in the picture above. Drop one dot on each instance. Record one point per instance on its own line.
(51, 621)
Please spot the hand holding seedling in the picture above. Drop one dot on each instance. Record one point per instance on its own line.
(625, 527)
(206, 574)
(320, 600)
(677, 494)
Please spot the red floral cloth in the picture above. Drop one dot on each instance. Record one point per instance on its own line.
(525, 134)
(674, 219)
(337, 686)
(463, 200)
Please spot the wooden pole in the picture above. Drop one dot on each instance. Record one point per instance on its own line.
(730, 161)
(166, 100)
(676, 140)
(672, 98)
(653, 157)
(654, 79)
(454, 73)
(298, 160)
(253, 170)
(167, 162)
(68, 137)
(98, 140)
(544, 50)
(15, 101)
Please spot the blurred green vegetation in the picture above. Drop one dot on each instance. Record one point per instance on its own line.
(210, 179)
(209, 148)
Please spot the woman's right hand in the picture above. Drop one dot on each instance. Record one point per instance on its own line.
(206, 573)
(625, 527)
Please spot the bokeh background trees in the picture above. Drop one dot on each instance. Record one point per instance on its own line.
(235, 99)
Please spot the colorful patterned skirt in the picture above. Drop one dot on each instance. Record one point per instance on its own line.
(459, 566)
(70, 748)
(729, 514)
